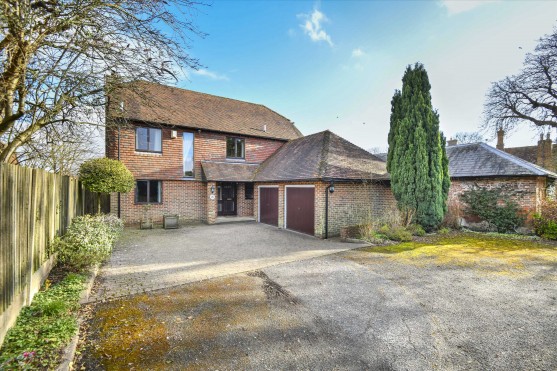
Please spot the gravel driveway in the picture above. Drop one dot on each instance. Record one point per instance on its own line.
(146, 260)
(354, 310)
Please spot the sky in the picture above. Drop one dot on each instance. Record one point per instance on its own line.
(335, 64)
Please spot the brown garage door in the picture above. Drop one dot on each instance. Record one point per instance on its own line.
(268, 206)
(300, 209)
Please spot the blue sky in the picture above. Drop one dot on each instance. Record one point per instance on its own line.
(335, 64)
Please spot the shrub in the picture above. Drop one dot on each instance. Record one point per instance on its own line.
(416, 230)
(495, 207)
(395, 233)
(444, 230)
(43, 327)
(88, 241)
(545, 224)
(104, 175)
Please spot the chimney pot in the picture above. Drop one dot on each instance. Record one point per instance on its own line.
(452, 142)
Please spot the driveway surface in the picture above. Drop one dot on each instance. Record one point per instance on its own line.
(365, 309)
(146, 260)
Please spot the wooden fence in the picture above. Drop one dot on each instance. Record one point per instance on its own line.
(35, 207)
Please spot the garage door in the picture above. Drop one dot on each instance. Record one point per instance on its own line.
(300, 209)
(268, 206)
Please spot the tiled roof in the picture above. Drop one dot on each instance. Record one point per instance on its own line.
(322, 156)
(155, 103)
(482, 160)
(528, 153)
(228, 172)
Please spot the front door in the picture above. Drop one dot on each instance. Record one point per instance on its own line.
(227, 199)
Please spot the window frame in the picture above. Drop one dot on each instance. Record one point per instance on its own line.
(246, 191)
(193, 155)
(148, 191)
(236, 139)
(148, 139)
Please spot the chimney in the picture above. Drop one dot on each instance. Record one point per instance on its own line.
(452, 142)
(545, 152)
(500, 137)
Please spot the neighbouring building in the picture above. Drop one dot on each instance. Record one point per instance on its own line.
(479, 164)
(543, 154)
(202, 157)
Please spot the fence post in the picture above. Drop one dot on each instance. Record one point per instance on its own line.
(32, 221)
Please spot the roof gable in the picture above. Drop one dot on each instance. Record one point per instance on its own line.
(155, 103)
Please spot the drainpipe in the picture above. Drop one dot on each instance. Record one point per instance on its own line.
(329, 189)
(119, 160)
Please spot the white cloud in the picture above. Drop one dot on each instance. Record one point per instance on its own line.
(461, 6)
(209, 74)
(357, 53)
(313, 26)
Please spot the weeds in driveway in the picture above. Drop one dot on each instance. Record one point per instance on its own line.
(44, 327)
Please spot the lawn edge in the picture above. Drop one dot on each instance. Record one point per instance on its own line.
(68, 353)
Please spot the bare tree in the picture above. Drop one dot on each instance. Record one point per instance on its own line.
(61, 58)
(469, 137)
(528, 97)
(62, 149)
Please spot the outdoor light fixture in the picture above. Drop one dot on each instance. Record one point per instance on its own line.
(212, 189)
(332, 186)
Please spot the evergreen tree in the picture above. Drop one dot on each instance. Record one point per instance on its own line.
(417, 160)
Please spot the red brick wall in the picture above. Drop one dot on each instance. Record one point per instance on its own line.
(186, 197)
(208, 146)
(350, 204)
(528, 192)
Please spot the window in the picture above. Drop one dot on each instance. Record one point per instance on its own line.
(235, 148)
(188, 155)
(148, 192)
(249, 191)
(148, 140)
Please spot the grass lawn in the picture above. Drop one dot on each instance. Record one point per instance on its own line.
(494, 253)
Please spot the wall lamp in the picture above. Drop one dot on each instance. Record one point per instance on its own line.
(212, 189)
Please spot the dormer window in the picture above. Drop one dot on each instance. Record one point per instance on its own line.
(235, 148)
(148, 140)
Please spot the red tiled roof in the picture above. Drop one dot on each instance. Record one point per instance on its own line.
(155, 103)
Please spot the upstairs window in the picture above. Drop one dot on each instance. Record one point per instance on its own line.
(148, 140)
(235, 148)
(188, 155)
(148, 192)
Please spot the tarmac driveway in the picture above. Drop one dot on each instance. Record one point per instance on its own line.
(146, 260)
(383, 308)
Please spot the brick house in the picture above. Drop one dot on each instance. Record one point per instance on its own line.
(203, 157)
(479, 164)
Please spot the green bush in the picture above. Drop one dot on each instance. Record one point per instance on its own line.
(43, 327)
(395, 233)
(104, 175)
(416, 230)
(444, 230)
(495, 207)
(88, 241)
(545, 223)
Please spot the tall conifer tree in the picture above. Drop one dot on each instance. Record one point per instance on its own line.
(417, 160)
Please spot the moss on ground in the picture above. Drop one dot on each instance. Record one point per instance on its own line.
(175, 328)
(489, 253)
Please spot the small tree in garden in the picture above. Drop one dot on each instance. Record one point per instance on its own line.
(103, 175)
(417, 160)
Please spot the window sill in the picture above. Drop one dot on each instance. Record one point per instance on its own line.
(141, 153)
(188, 178)
(233, 159)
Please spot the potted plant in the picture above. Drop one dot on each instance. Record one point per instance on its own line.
(147, 221)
